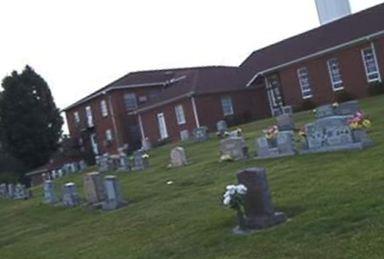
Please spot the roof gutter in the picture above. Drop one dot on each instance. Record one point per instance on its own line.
(316, 54)
(186, 95)
(110, 88)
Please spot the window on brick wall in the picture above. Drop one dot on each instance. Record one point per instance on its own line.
(76, 116)
(370, 64)
(130, 101)
(305, 84)
(88, 112)
(226, 103)
(108, 135)
(180, 116)
(104, 108)
(335, 74)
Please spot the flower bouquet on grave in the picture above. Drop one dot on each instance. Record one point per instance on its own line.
(271, 135)
(302, 137)
(226, 158)
(234, 199)
(359, 121)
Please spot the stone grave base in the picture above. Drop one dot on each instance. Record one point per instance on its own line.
(352, 146)
(260, 223)
(113, 205)
(274, 155)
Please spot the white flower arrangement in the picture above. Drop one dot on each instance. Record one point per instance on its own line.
(145, 156)
(234, 196)
(226, 157)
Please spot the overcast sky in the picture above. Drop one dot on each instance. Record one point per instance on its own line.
(79, 46)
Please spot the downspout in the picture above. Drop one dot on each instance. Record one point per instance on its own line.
(195, 112)
(141, 127)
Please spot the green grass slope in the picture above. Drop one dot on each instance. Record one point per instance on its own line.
(335, 203)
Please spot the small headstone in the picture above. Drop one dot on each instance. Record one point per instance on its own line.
(200, 134)
(114, 199)
(3, 190)
(70, 195)
(94, 188)
(124, 164)
(140, 160)
(325, 111)
(184, 135)
(11, 190)
(49, 192)
(20, 192)
(348, 108)
(221, 127)
(145, 144)
(285, 122)
(82, 165)
(178, 157)
(259, 210)
(235, 147)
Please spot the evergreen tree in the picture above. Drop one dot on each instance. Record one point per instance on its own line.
(30, 122)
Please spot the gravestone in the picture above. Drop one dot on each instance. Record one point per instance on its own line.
(10, 190)
(284, 110)
(3, 190)
(283, 145)
(145, 144)
(184, 135)
(178, 157)
(285, 122)
(325, 111)
(70, 195)
(141, 162)
(235, 147)
(200, 134)
(221, 127)
(114, 162)
(104, 163)
(331, 131)
(124, 164)
(259, 210)
(20, 192)
(49, 192)
(94, 188)
(82, 165)
(114, 199)
(348, 108)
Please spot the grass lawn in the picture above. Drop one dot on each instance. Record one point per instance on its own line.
(335, 205)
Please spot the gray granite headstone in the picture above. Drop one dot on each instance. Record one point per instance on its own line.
(259, 210)
(49, 192)
(124, 162)
(348, 108)
(94, 188)
(11, 190)
(235, 147)
(140, 162)
(146, 144)
(70, 195)
(20, 192)
(221, 127)
(114, 199)
(286, 143)
(178, 157)
(285, 122)
(325, 111)
(184, 135)
(200, 134)
(3, 190)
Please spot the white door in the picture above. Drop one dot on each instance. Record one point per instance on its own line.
(95, 147)
(162, 126)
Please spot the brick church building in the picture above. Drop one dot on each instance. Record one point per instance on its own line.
(343, 57)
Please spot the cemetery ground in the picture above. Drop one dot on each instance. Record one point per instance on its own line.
(334, 202)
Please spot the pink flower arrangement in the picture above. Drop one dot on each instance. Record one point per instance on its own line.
(271, 132)
(359, 121)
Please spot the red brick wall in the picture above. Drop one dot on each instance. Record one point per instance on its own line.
(151, 127)
(247, 105)
(352, 70)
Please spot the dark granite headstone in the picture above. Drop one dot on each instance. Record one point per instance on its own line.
(259, 211)
(234, 147)
(285, 122)
(200, 134)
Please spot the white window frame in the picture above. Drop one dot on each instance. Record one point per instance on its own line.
(180, 115)
(377, 72)
(227, 100)
(76, 116)
(336, 84)
(108, 135)
(305, 83)
(103, 108)
(88, 112)
(162, 126)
